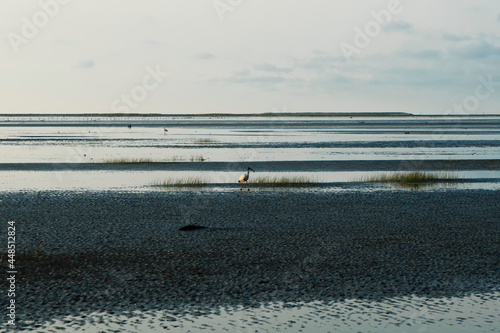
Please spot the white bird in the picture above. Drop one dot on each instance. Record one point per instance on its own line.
(244, 177)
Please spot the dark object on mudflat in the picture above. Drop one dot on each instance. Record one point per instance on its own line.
(191, 227)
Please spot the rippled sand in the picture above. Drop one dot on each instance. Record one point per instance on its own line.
(359, 253)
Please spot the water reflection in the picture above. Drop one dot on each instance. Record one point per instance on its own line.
(144, 180)
(475, 313)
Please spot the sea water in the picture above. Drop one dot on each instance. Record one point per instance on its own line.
(53, 141)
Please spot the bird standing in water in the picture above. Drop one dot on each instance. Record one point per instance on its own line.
(244, 178)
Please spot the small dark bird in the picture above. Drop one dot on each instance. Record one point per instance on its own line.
(129, 126)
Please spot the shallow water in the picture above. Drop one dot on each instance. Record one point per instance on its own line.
(54, 140)
(12, 181)
(475, 313)
(101, 154)
(254, 140)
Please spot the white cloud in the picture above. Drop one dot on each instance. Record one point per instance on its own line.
(241, 73)
(399, 26)
(85, 64)
(421, 54)
(256, 79)
(205, 56)
(267, 67)
(455, 38)
(478, 50)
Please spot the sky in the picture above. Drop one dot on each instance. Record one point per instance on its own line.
(250, 56)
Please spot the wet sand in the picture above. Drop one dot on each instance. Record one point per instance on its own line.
(116, 252)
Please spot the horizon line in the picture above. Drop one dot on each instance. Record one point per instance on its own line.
(261, 114)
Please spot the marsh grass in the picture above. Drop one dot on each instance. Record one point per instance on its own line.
(197, 158)
(204, 140)
(142, 160)
(412, 178)
(126, 160)
(283, 181)
(181, 182)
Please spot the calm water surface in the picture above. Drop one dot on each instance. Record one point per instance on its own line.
(103, 140)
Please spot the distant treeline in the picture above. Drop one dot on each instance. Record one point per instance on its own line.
(266, 114)
(246, 115)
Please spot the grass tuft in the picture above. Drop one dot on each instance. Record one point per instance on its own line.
(197, 158)
(277, 181)
(411, 178)
(181, 182)
(128, 160)
(204, 140)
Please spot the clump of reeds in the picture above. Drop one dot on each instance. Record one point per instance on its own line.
(180, 182)
(411, 177)
(204, 140)
(129, 160)
(283, 181)
(197, 158)
(126, 160)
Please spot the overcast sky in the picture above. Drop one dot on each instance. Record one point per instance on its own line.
(246, 56)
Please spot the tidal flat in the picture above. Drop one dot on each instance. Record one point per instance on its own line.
(99, 248)
(115, 253)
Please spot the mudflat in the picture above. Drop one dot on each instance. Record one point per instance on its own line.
(115, 252)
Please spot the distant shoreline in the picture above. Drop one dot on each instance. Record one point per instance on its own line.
(200, 115)
(243, 115)
(283, 120)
